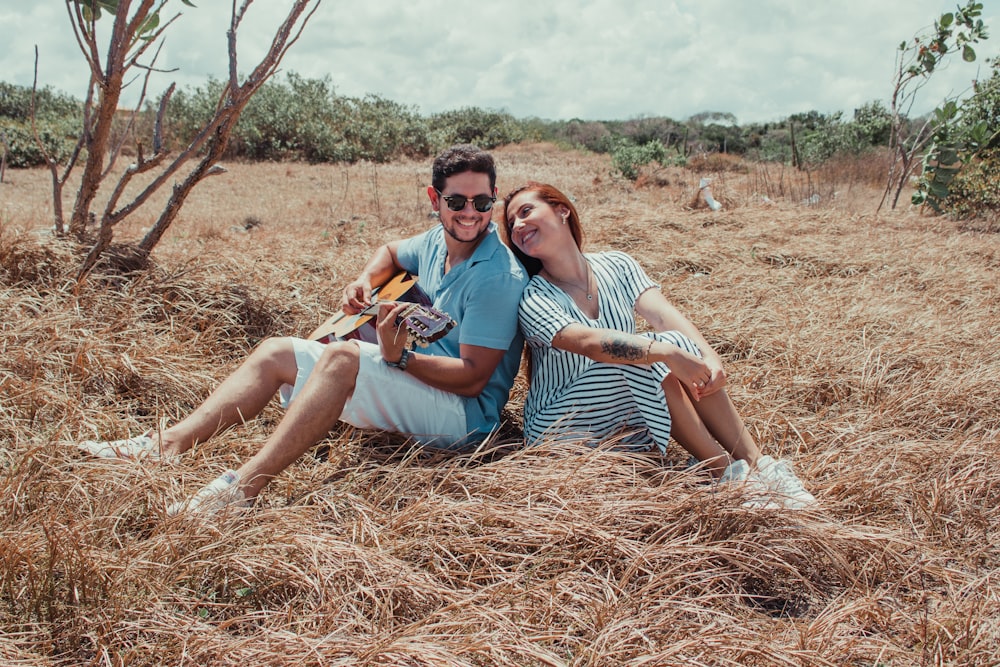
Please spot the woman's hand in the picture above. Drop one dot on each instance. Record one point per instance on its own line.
(717, 377)
(693, 373)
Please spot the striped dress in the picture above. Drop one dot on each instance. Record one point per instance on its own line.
(574, 397)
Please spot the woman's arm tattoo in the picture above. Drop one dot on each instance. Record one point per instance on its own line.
(623, 346)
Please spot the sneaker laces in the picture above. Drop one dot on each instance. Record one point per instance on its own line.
(756, 492)
(220, 494)
(780, 478)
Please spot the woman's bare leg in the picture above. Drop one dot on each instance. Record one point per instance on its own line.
(725, 424)
(688, 429)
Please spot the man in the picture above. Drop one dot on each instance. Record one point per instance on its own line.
(449, 394)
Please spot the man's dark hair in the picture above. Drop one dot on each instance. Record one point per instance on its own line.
(461, 158)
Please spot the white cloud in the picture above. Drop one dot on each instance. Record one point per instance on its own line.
(602, 59)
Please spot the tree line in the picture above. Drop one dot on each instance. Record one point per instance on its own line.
(304, 119)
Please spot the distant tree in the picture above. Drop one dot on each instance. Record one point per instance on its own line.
(719, 138)
(953, 32)
(644, 130)
(137, 27)
(713, 131)
(592, 135)
(705, 117)
(872, 124)
(810, 120)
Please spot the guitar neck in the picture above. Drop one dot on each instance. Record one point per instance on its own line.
(373, 307)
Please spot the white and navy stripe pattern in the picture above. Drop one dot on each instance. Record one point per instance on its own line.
(572, 396)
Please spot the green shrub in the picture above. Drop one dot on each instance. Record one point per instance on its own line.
(22, 150)
(303, 119)
(58, 117)
(379, 130)
(966, 135)
(975, 190)
(628, 158)
(188, 111)
(15, 103)
(472, 125)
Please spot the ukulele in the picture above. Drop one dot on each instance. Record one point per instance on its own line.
(424, 324)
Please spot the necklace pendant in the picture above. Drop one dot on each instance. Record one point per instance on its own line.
(590, 297)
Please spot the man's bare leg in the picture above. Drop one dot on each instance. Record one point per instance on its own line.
(309, 418)
(241, 396)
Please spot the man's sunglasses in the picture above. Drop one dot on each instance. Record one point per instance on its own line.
(481, 203)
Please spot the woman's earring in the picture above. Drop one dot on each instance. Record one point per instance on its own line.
(564, 219)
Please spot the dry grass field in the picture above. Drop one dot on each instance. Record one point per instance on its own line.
(861, 348)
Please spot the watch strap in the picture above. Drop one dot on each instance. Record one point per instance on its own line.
(403, 360)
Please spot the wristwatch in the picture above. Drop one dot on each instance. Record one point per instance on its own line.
(403, 360)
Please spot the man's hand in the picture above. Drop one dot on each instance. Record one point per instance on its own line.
(392, 337)
(357, 297)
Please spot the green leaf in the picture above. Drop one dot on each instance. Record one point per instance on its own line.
(948, 156)
(150, 24)
(968, 54)
(947, 19)
(979, 131)
(189, 3)
(939, 190)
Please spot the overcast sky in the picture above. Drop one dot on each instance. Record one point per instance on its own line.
(760, 60)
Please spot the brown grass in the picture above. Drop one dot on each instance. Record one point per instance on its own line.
(860, 348)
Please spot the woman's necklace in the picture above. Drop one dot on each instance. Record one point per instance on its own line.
(584, 290)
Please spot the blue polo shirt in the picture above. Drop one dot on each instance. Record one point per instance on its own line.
(481, 294)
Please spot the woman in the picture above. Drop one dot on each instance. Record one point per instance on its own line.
(593, 377)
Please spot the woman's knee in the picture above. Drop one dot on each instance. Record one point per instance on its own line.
(671, 385)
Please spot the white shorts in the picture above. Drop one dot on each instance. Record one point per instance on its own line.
(388, 399)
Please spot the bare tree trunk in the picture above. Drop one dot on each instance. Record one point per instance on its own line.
(216, 148)
(3, 159)
(109, 84)
(215, 134)
(796, 162)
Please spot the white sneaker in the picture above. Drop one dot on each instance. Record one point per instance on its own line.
(220, 495)
(757, 494)
(783, 483)
(131, 449)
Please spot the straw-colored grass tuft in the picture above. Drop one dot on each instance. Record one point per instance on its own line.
(860, 349)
